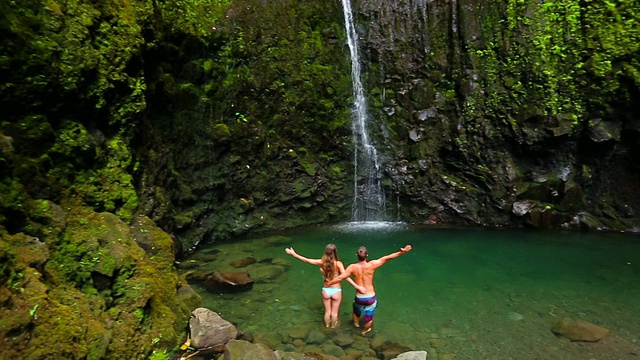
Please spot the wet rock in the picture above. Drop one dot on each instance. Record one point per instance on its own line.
(315, 349)
(209, 257)
(184, 265)
(266, 272)
(272, 340)
(281, 262)
(208, 330)
(311, 355)
(288, 355)
(333, 350)
(415, 134)
(437, 343)
(578, 330)
(546, 218)
(431, 113)
(600, 131)
(391, 350)
(377, 342)
(300, 332)
(583, 220)
(30, 250)
(342, 338)
(413, 355)
(231, 281)
(514, 316)
(224, 281)
(188, 296)
(5, 145)
(573, 197)
(243, 262)
(243, 350)
(316, 337)
(520, 208)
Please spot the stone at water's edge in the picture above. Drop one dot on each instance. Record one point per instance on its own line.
(207, 329)
(578, 330)
(241, 350)
(391, 350)
(211, 334)
(412, 355)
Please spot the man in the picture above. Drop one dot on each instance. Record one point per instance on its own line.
(363, 271)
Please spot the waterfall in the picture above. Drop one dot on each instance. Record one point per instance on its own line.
(368, 198)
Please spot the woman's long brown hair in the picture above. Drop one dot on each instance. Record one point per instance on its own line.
(329, 267)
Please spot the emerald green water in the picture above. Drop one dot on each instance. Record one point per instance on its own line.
(460, 294)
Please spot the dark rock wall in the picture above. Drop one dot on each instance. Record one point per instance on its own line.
(248, 127)
(484, 105)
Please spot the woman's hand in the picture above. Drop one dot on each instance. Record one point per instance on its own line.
(290, 251)
(360, 289)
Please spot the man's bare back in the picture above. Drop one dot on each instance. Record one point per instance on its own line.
(363, 272)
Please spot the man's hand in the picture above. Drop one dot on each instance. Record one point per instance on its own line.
(405, 249)
(361, 289)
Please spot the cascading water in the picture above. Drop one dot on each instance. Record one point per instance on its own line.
(369, 198)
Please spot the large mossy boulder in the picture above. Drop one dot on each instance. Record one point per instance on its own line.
(90, 291)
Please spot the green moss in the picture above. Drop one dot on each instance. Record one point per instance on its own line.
(10, 273)
(308, 164)
(196, 17)
(160, 355)
(12, 199)
(105, 188)
(220, 132)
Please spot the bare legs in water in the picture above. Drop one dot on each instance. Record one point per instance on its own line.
(331, 308)
(367, 326)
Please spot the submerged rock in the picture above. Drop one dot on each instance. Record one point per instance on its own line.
(412, 355)
(241, 349)
(226, 281)
(243, 262)
(391, 350)
(578, 330)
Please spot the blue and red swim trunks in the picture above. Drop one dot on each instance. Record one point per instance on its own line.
(365, 305)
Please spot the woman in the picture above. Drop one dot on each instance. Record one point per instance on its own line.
(330, 267)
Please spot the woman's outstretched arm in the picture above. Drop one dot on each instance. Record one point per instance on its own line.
(293, 253)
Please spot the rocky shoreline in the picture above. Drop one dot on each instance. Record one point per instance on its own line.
(212, 337)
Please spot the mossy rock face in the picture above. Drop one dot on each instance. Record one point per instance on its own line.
(92, 292)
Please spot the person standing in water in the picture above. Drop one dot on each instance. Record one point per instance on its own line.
(365, 302)
(330, 267)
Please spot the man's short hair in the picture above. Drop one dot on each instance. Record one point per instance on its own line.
(362, 253)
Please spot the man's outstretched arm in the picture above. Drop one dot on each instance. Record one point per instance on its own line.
(394, 255)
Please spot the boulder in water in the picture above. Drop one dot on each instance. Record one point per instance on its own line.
(243, 262)
(412, 355)
(578, 330)
(231, 281)
(241, 350)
